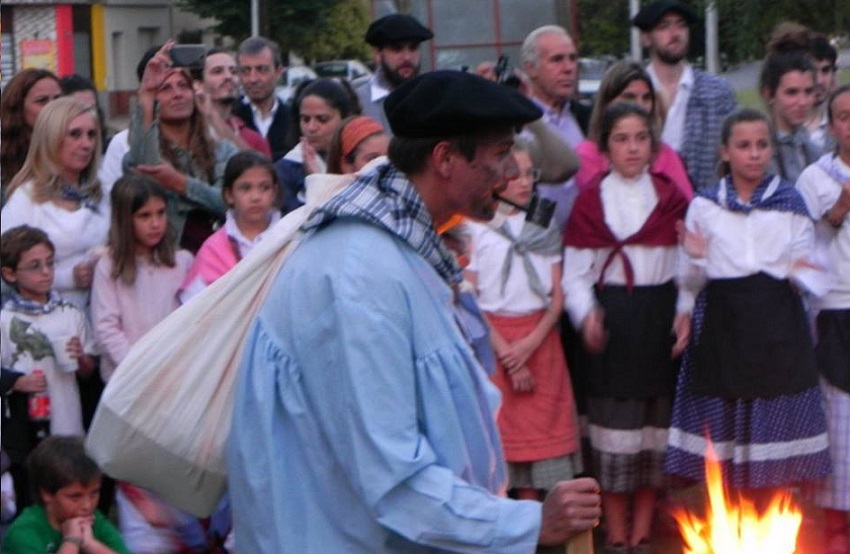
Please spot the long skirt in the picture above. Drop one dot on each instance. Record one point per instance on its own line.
(541, 424)
(628, 439)
(771, 441)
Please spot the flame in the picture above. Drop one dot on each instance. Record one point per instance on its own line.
(738, 528)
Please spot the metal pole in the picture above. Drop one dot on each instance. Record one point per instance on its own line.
(712, 55)
(255, 18)
(634, 8)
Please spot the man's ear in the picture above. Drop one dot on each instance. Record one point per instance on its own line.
(645, 40)
(8, 275)
(443, 157)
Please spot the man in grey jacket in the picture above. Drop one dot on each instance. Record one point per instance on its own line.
(696, 102)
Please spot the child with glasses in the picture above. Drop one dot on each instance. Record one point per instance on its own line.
(515, 267)
(44, 342)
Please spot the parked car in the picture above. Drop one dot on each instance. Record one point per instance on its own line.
(354, 70)
(590, 72)
(291, 78)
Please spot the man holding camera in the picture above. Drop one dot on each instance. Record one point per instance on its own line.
(396, 39)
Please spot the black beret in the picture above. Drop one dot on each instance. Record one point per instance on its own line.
(649, 15)
(450, 103)
(397, 27)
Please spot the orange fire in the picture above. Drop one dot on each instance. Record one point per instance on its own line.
(738, 528)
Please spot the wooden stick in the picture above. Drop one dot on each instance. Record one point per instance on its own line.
(581, 543)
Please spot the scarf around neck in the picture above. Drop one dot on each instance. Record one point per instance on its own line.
(773, 193)
(830, 165)
(386, 199)
(533, 239)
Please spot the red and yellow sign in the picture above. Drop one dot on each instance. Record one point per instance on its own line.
(38, 53)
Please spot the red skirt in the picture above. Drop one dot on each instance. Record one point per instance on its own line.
(541, 424)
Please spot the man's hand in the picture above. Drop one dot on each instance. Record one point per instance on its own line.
(571, 507)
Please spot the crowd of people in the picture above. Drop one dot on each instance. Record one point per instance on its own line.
(437, 367)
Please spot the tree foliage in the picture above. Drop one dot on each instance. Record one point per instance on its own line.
(315, 29)
(744, 26)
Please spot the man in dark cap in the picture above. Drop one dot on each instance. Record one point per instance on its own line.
(696, 102)
(395, 39)
(363, 422)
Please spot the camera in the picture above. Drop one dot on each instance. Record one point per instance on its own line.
(188, 55)
(505, 75)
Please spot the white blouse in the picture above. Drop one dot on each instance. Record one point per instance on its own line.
(741, 244)
(489, 250)
(821, 192)
(627, 204)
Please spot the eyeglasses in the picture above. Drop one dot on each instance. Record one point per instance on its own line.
(533, 174)
(38, 266)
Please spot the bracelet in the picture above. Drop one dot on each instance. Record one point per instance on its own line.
(73, 540)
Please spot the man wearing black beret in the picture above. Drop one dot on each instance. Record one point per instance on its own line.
(696, 102)
(395, 39)
(366, 422)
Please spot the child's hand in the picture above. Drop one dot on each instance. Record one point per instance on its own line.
(76, 527)
(74, 347)
(517, 353)
(83, 273)
(34, 382)
(522, 380)
(694, 243)
(682, 331)
(593, 331)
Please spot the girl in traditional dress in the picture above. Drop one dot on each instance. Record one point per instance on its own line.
(825, 186)
(516, 268)
(250, 189)
(749, 379)
(619, 269)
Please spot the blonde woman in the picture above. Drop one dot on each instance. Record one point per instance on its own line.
(58, 191)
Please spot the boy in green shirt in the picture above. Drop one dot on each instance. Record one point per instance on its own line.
(66, 483)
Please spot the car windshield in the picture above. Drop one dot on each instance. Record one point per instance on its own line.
(592, 69)
(331, 69)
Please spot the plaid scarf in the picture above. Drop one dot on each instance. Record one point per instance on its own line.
(19, 304)
(385, 198)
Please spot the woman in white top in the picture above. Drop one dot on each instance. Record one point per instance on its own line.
(57, 190)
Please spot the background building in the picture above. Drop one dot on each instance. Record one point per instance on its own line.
(99, 40)
(500, 27)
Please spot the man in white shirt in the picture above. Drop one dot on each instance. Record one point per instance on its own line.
(696, 102)
(550, 59)
(396, 39)
(824, 57)
(260, 67)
